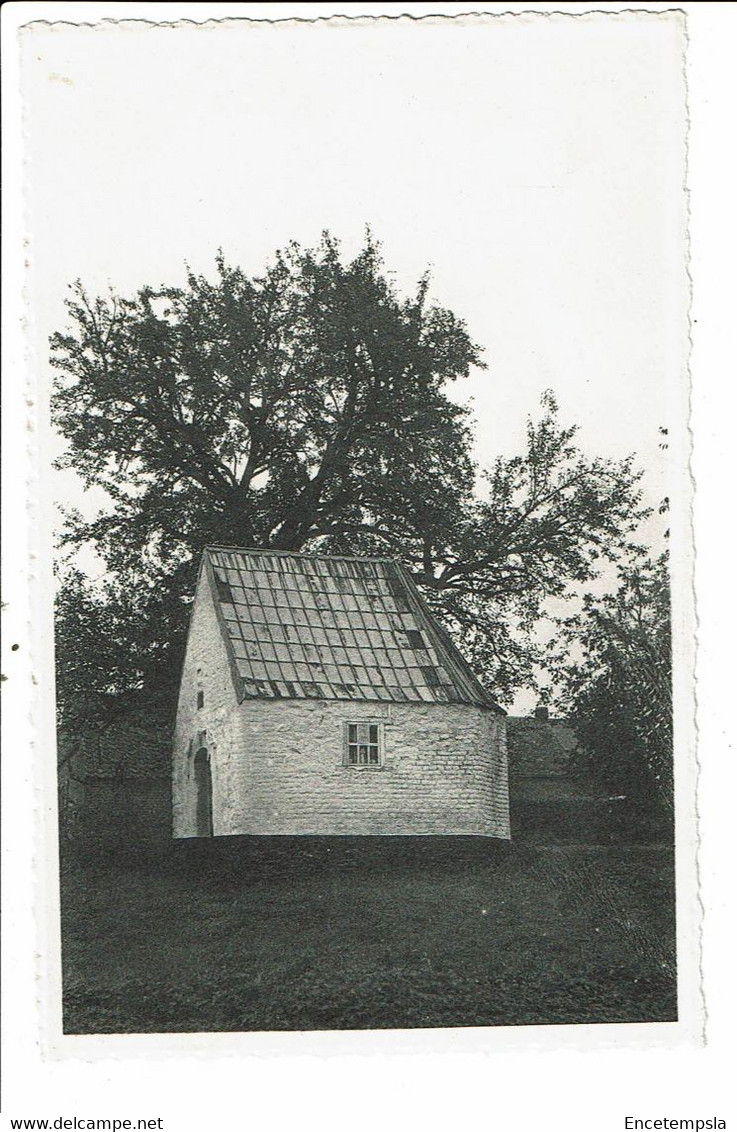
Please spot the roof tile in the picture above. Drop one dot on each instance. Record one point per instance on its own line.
(321, 628)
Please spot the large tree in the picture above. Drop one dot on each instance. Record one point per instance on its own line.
(309, 408)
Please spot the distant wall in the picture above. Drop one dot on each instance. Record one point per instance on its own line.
(539, 747)
(71, 800)
(114, 781)
(125, 813)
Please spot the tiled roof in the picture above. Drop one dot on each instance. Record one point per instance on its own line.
(308, 626)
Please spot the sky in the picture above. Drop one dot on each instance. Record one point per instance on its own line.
(534, 164)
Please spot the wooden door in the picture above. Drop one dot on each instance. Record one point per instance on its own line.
(203, 782)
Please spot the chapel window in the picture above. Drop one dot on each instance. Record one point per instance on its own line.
(363, 744)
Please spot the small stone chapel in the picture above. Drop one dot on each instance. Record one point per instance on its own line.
(319, 696)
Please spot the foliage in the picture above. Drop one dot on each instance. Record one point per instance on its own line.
(618, 693)
(113, 647)
(543, 522)
(306, 408)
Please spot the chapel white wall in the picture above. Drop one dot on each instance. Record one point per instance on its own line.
(217, 725)
(444, 771)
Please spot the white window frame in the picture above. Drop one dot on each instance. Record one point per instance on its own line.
(347, 743)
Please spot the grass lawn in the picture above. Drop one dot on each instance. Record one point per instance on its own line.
(309, 933)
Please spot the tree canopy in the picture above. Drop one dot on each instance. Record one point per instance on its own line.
(307, 408)
(267, 411)
(617, 686)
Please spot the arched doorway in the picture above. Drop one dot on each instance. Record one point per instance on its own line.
(203, 781)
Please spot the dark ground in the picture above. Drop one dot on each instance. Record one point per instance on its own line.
(354, 933)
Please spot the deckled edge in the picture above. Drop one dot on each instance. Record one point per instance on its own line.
(695, 754)
(346, 19)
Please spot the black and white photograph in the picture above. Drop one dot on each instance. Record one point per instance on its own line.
(366, 409)
(362, 532)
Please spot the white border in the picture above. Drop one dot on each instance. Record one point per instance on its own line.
(671, 1077)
